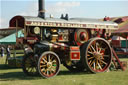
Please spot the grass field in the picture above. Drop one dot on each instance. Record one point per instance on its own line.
(11, 76)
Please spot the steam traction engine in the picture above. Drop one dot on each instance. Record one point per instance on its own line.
(77, 43)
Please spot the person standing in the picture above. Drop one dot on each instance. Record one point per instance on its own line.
(8, 53)
(2, 51)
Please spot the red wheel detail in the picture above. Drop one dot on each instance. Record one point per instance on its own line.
(81, 36)
(78, 43)
(48, 64)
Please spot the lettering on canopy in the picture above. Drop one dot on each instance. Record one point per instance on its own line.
(69, 25)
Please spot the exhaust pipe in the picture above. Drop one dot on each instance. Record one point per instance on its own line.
(41, 5)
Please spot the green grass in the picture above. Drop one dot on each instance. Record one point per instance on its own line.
(11, 76)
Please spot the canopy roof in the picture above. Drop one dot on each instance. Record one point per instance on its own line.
(11, 39)
(8, 31)
(22, 21)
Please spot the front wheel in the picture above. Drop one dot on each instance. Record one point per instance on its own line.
(48, 64)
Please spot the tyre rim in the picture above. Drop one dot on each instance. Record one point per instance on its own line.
(98, 56)
(49, 65)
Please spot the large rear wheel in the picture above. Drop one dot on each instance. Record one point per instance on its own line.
(96, 55)
(48, 64)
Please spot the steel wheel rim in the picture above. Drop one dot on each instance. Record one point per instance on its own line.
(48, 65)
(98, 56)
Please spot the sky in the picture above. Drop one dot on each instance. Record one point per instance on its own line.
(75, 8)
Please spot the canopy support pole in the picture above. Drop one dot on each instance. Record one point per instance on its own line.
(126, 43)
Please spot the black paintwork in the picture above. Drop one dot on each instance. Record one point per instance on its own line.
(41, 47)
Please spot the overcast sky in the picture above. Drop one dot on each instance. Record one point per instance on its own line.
(75, 8)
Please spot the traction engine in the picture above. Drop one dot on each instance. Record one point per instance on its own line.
(80, 44)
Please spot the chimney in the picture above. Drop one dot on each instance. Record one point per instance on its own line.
(41, 13)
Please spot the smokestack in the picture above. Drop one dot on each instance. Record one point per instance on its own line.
(41, 9)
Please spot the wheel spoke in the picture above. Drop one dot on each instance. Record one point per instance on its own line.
(99, 50)
(96, 47)
(49, 58)
(52, 70)
(94, 43)
(94, 65)
(43, 70)
(31, 69)
(28, 69)
(106, 55)
(89, 62)
(47, 72)
(90, 58)
(54, 61)
(92, 62)
(99, 66)
(90, 52)
(93, 48)
(42, 66)
(90, 49)
(34, 69)
(44, 60)
(103, 62)
(52, 58)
